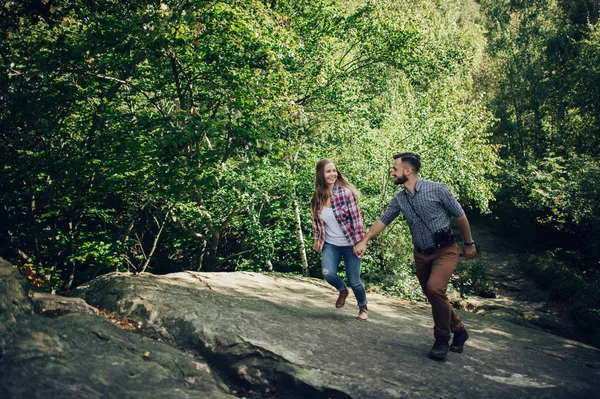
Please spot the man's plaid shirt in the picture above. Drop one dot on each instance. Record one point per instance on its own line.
(345, 209)
(432, 202)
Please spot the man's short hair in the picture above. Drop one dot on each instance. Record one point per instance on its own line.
(414, 160)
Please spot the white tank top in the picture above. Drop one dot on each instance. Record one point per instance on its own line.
(333, 232)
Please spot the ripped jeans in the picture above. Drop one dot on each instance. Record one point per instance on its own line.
(330, 261)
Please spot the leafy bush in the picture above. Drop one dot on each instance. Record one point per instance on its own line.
(578, 287)
(469, 278)
(401, 282)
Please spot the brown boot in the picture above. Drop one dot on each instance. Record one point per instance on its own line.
(341, 301)
(363, 313)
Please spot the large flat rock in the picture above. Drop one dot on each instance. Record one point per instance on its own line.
(78, 354)
(270, 328)
(86, 357)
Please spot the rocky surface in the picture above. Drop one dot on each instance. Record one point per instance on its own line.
(52, 305)
(266, 329)
(276, 336)
(81, 355)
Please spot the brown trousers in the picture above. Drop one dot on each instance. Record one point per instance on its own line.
(434, 272)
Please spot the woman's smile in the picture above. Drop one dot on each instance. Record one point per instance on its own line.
(331, 174)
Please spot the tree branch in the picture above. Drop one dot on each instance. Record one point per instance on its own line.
(129, 84)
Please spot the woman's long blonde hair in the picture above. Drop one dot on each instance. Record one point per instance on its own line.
(322, 193)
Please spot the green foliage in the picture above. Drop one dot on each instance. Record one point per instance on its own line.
(578, 287)
(543, 88)
(399, 281)
(470, 278)
(561, 190)
(543, 81)
(428, 107)
(172, 136)
(178, 136)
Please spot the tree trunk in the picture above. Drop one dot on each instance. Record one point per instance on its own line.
(70, 277)
(38, 252)
(160, 226)
(70, 269)
(5, 235)
(300, 238)
(211, 261)
(215, 234)
(201, 252)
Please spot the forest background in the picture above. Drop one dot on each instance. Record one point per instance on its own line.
(183, 135)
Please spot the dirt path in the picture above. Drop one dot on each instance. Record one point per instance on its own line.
(518, 298)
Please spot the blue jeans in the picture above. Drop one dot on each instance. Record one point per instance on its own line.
(330, 260)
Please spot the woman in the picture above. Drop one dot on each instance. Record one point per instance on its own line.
(337, 228)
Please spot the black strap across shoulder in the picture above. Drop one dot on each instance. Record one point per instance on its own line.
(416, 213)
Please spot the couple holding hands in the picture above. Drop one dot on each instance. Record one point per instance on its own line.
(427, 207)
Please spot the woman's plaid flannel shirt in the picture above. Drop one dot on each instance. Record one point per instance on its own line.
(345, 209)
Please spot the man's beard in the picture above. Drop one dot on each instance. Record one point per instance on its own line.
(401, 180)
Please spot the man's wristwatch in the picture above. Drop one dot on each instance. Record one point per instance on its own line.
(470, 243)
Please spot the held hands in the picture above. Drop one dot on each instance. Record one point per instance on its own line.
(360, 248)
(469, 251)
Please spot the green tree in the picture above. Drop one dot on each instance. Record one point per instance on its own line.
(173, 136)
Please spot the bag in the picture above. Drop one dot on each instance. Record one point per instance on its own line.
(443, 237)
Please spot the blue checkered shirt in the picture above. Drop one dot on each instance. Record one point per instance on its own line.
(434, 203)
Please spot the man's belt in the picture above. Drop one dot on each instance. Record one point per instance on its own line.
(429, 251)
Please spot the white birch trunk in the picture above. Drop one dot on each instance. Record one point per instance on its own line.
(300, 238)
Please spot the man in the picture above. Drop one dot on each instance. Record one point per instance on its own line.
(427, 207)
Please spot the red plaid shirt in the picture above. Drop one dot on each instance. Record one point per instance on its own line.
(345, 209)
